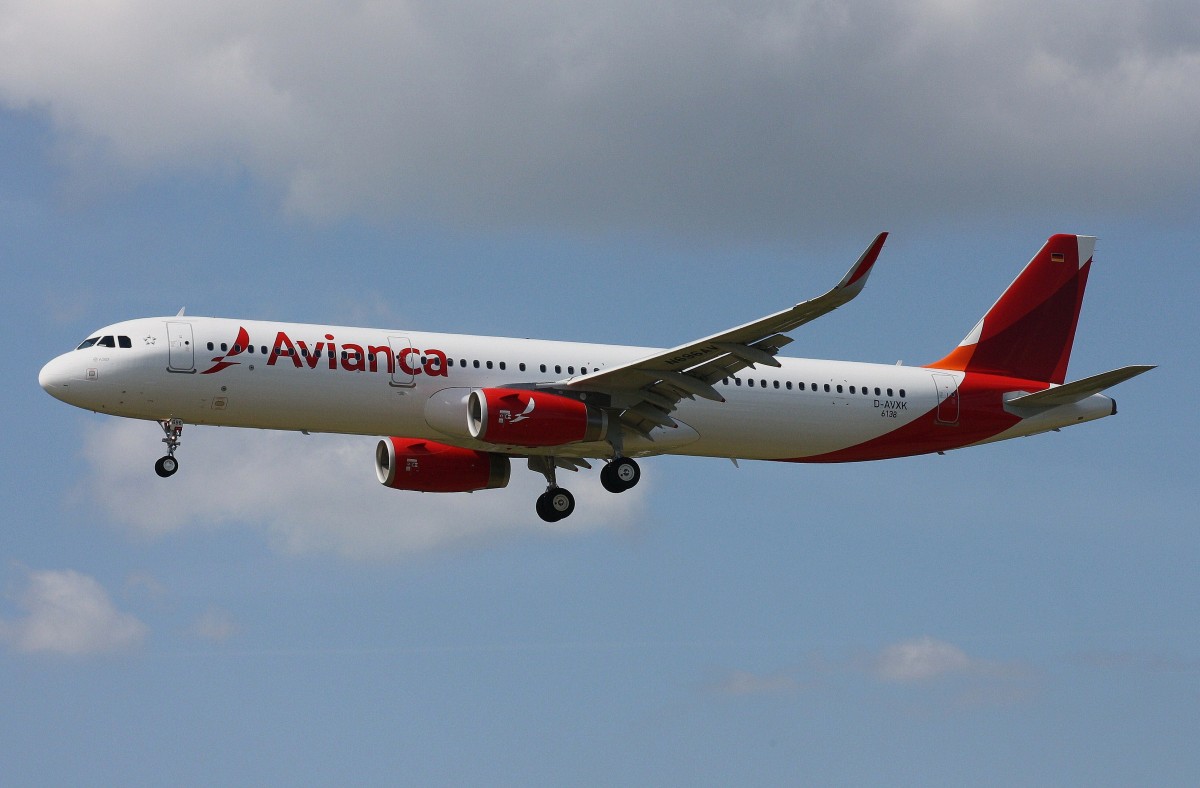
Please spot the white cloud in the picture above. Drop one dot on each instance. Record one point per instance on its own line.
(214, 624)
(921, 659)
(316, 493)
(937, 675)
(70, 613)
(759, 117)
(147, 585)
(926, 658)
(742, 683)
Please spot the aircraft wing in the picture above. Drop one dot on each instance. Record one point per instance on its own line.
(649, 388)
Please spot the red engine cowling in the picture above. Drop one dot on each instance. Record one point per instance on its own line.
(516, 417)
(429, 466)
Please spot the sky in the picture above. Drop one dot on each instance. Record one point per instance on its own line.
(642, 173)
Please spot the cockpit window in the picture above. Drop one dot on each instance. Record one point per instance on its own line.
(106, 341)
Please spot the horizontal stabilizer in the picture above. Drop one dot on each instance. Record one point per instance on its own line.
(1077, 390)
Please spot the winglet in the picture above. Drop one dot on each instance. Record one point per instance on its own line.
(856, 277)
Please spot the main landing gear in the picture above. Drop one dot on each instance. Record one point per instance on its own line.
(557, 502)
(172, 428)
(620, 475)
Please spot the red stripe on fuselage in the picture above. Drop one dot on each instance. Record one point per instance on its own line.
(981, 416)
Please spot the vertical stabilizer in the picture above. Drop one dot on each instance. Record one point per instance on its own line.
(1028, 333)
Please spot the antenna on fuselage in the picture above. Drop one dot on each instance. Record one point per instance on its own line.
(180, 312)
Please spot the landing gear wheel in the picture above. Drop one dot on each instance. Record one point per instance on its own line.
(555, 504)
(166, 466)
(172, 429)
(543, 509)
(620, 475)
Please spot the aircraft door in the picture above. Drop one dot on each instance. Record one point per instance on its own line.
(948, 400)
(406, 360)
(182, 351)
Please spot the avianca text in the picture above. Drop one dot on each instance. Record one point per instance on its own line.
(351, 357)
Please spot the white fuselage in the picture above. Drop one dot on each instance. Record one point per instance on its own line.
(316, 378)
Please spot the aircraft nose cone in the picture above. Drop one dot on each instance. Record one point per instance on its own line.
(46, 377)
(54, 378)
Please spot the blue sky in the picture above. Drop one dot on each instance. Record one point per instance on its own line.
(1023, 613)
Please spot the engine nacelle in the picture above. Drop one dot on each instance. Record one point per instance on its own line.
(429, 466)
(519, 417)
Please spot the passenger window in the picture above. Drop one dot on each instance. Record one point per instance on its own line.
(777, 384)
(521, 366)
(124, 342)
(571, 370)
(224, 347)
(501, 365)
(877, 391)
(583, 370)
(557, 369)
(210, 345)
(489, 365)
(750, 382)
(901, 393)
(237, 348)
(889, 392)
(543, 367)
(789, 385)
(475, 363)
(737, 381)
(852, 390)
(827, 387)
(88, 343)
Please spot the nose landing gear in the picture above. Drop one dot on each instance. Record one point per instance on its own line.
(172, 428)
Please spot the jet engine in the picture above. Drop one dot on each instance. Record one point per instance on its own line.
(518, 417)
(429, 466)
(514, 417)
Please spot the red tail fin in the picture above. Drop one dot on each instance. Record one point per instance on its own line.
(1028, 333)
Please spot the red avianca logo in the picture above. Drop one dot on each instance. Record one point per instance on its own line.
(241, 343)
(350, 357)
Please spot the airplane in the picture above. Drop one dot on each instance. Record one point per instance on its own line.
(458, 409)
